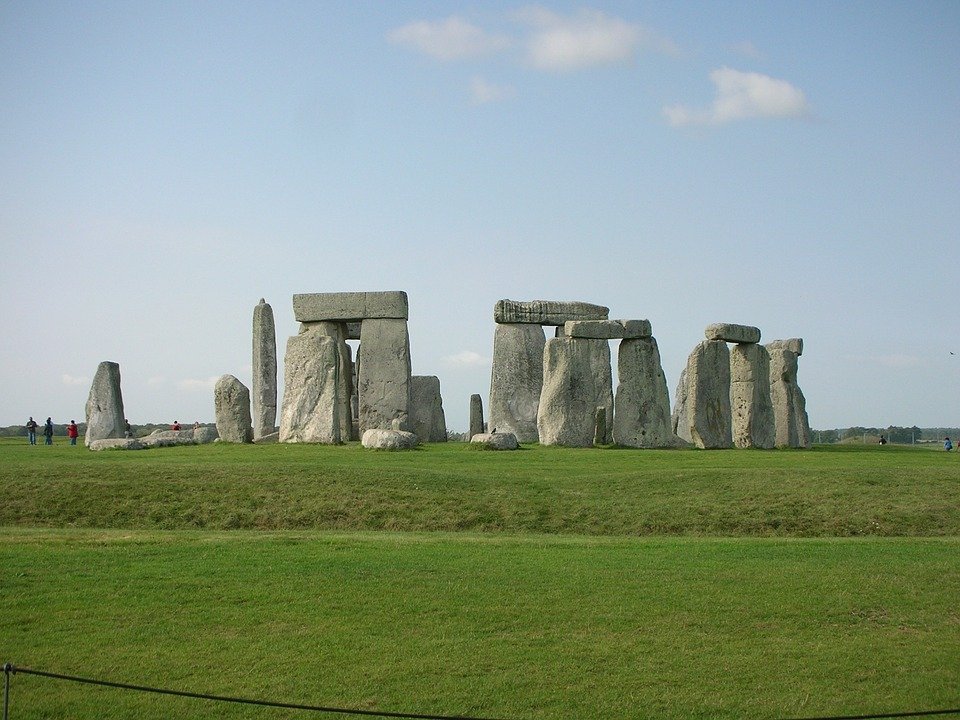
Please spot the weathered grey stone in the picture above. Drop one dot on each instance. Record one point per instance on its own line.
(751, 409)
(607, 329)
(426, 409)
(205, 434)
(264, 370)
(350, 306)
(794, 345)
(309, 413)
(707, 397)
(384, 374)
(789, 405)
(576, 380)
(641, 416)
(476, 415)
(600, 426)
(231, 400)
(516, 379)
(496, 441)
(168, 438)
(680, 419)
(377, 439)
(117, 444)
(547, 312)
(271, 439)
(337, 331)
(728, 332)
(104, 410)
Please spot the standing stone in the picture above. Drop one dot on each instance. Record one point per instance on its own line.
(231, 400)
(384, 374)
(264, 371)
(789, 405)
(708, 396)
(600, 426)
(310, 402)
(426, 409)
(642, 411)
(337, 331)
(752, 418)
(476, 416)
(679, 419)
(516, 379)
(105, 417)
(576, 380)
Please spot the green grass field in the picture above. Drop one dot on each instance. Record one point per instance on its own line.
(546, 583)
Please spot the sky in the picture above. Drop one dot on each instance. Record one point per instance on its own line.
(164, 165)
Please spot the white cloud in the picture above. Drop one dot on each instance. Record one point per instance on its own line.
(466, 358)
(194, 385)
(483, 92)
(588, 38)
(742, 95)
(450, 39)
(71, 380)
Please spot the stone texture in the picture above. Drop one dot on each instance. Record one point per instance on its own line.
(607, 329)
(641, 417)
(116, 444)
(516, 379)
(104, 409)
(426, 409)
(231, 400)
(600, 426)
(789, 405)
(728, 332)
(476, 415)
(794, 345)
(168, 438)
(337, 331)
(680, 418)
(350, 306)
(310, 401)
(271, 439)
(264, 370)
(707, 398)
(377, 439)
(546, 312)
(576, 380)
(751, 409)
(203, 435)
(496, 441)
(384, 374)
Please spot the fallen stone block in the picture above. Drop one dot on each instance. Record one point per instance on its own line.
(376, 439)
(116, 444)
(496, 441)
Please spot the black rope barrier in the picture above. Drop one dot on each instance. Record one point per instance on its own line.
(918, 713)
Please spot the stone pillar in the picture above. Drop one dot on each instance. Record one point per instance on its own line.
(577, 380)
(789, 405)
(516, 379)
(231, 400)
(704, 416)
(642, 410)
(311, 406)
(476, 416)
(264, 371)
(104, 410)
(426, 409)
(337, 331)
(752, 418)
(384, 374)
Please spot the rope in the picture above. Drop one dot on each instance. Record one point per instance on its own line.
(918, 713)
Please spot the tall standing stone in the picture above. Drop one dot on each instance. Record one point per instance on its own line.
(310, 411)
(337, 331)
(789, 405)
(576, 381)
(264, 370)
(752, 418)
(426, 409)
(516, 379)
(231, 400)
(642, 408)
(476, 415)
(706, 415)
(384, 374)
(104, 410)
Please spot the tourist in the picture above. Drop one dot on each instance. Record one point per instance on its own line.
(883, 440)
(947, 445)
(127, 430)
(48, 432)
(32, 430)
(196, 425)
(176, 425)
(72, 432)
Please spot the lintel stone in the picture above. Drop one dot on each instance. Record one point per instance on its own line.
(547, 312)
(729, 332)
(350, 306)
(608, 329)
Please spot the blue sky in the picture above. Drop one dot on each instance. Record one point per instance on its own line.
(794, 166)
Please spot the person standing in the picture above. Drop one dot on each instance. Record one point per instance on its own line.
(32, 430)
(72, 432)
(48, 432)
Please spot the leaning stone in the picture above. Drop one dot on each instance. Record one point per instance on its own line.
(231, 401)
(547, 312)
(117, 444)
(476, 415)
(104, 410)
(426, 409)
(789, 405)
(576, 380)
(641, 415)
(350, 306)
(310, 400)
(708, 396)
(794, 345)
(729, 332)
(516, 379)
(205, 434)
(377, 439)
(496, 441)
(264, 370)
(384, 374)
(751, 408)
(606, 329)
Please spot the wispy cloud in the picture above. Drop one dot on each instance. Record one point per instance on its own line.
(72, 380)
(465, 359)
(194, 385)
(585, 39)
(483, 92)
(450, 39)
(743, 95)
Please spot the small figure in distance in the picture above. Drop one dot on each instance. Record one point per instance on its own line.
(947, 445)
(127, 430)
(72, 432)
(32, 430)
(176, 425)
(883, 440)
(196, 425)
(48, 432)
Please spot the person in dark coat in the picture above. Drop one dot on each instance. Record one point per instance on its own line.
(48, 432)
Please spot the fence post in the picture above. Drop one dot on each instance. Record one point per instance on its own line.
(6, 690)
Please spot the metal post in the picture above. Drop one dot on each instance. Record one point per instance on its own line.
(6, 690)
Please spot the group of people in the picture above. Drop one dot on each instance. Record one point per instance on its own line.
(73, 432)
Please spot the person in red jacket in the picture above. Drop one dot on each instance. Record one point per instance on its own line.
(73, 432)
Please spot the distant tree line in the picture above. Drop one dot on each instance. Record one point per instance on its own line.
(893, 433)
(60, 429)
